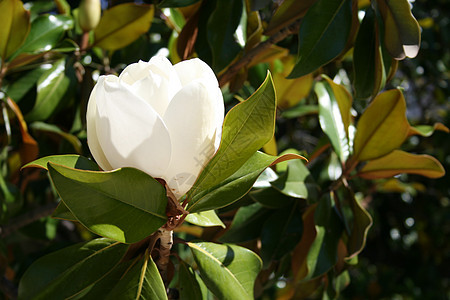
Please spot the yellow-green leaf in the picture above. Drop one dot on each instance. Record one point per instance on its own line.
(402, 32)
(15, 26)
(123, 24)
(427, 130)
(382, 128)
(398, 162)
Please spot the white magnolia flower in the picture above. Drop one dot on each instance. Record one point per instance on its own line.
(163, 119)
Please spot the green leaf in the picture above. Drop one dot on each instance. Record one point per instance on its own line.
(300, 111)
(247, 127)
(297, 182)
(207, 218)
(18, 88)
(286, 13)
(323, 35)
(15, 26)
(126, 204)
(271, 198)
(176, 3)
(66, 272)
(221, 27)
(367, 60)
(191, 286)
(398, 162)
(68, 160)
(402, 31)
(331, 120)
(51, 88)
(229, 271)
(281, 233)
(362, 221)
(427, 130)
(63, 212)
(53, 129)
(46, 31)
(122, 24)
(382, 127)
(247, 224)
(238, 184)
(142, 281)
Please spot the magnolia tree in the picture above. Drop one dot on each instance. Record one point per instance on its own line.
(173, 198)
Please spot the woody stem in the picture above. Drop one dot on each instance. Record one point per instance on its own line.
(166, 241)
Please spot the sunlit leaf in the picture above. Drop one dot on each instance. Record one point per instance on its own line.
(15, 26)
(247, 127)
(382, 127)
(17, 89)
(68, 160)
(331, 120)
(46, 31)
(398, 162)
(66, 272)
(122, 24)
(205, 218)
(223, 266)
(176, 3)
(323, 35)
(51, 89)
(105, 202)
(402, 32)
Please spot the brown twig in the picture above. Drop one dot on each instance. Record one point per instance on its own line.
(27, 218)
(250, 55)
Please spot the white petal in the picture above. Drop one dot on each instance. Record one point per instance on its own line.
(92, 138)
(191, 120)
(195, 69)
(129, 130)
(156, 82)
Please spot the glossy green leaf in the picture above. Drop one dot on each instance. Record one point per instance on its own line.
(286, 13)
(247, 127)
(402, 31)
(51, 89)
(247, 224)
(107, 202)
(190, 285)
(331, 120)
(66, 272)
(398, 162)
(280, 233)
(176, 3)
(17, 89)
(237, 185)
(382, 127)
(205, 218)
(15, 26)
(68, 160)
(271, 198)
(222, 25)
(362, 221)
(297, 182)
(46, 31)
(229, 271)
(367, 60)
(142, 281)
(427, 130)
(323, 35)
(122, 24)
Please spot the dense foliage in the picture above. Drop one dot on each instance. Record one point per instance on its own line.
(359, 88)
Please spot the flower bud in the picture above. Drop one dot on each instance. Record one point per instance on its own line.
(89, 13)
(163, 119)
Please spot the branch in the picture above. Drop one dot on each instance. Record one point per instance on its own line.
(27, 218)
(250, 55)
